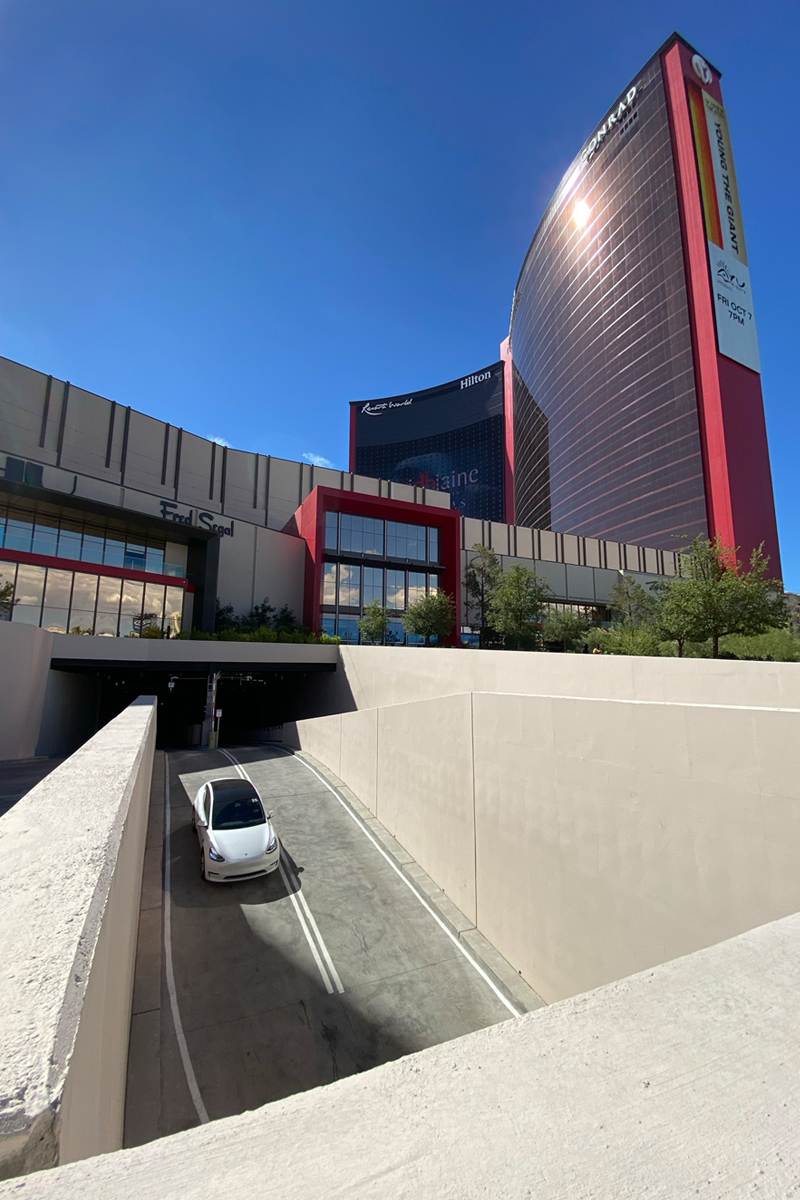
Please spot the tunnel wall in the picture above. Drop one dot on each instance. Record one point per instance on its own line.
(24, 667)
(71, 859)
(586, 838)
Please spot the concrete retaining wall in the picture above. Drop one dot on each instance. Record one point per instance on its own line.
(675, 1084)
(375, 676)
(588, 839)
(24, 668)
(71, 855)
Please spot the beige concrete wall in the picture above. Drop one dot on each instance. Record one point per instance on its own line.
(374, 676)
(586, 838)
(425, 791)
(71, 855)
(674, 1084)
(24, 670)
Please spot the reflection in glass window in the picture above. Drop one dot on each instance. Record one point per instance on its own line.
(58, 589)
(154, 560)
(331, 531)
(8, 574)
(84, 591)
(405, 541)
(153, 604)
(134, 556)
(396, 589)
(329, 585)
(108, 594)
(349, 586)
(19, 533)
(30, 584)
(433, 545)
(69, 539)
(348, 629)
(114, 553)
(45, 538)
(329, 624)
(361, 535)
(2, 529)
(55, 619)
(433, 585)
(373, 585)
(395, 633)
(173, 610)
(93, 545)
(416, 585)
(29, 594)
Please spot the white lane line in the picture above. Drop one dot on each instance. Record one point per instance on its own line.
(512, 1008)
(188, 1069)
(322, 955)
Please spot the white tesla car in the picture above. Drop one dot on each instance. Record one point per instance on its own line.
(236, 837)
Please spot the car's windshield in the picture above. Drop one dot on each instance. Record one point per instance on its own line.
(236, 808)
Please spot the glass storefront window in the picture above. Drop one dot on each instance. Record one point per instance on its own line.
(69, 539)
(134, 556)
(416, 586)
(45, 538)
(329, 624)
(396, 589)
(93, 546)
(114, 552)
(58, 589)
(84, 592)
(19, 533)
(361, 535)
(349, 586)
(395, 633)
(405, 541)
(2, 529)
(108, 597)
(173, 610)
(154, 559)
(329, 585)
(8, 574)
(348, 629)
(433, 545)
(373, 585)
(153, 605)
(331, 531)
(131, 607)
(29, 594)
(55, 619)
(433, 585)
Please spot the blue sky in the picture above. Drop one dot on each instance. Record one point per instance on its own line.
(239, 217)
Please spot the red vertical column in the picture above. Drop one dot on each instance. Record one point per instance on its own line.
(738, 480)
(508, 411)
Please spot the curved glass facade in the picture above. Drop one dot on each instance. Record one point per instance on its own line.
(606, 432)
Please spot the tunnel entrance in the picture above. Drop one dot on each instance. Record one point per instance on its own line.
(251, 701)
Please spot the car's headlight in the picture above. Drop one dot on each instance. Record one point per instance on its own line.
(272, 844)
(212, 854)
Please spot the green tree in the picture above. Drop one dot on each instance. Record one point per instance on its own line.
(6, 600)
(374, 623)
(518, 604)
(714, 596)
(626, 638)
(630, 601)
(430, 616)
(482, 576)
(564, 628)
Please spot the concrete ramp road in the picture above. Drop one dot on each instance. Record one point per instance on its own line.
(264, 988)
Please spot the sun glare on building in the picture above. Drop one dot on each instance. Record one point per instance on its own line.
(580, 214)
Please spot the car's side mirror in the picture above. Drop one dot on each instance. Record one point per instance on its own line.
(270, 815)
(202, 824)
